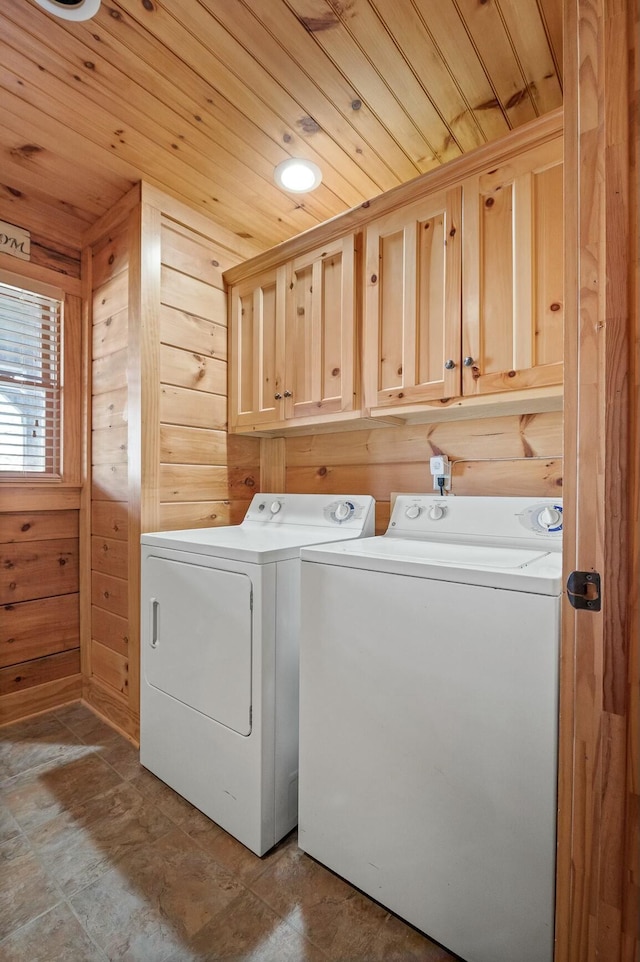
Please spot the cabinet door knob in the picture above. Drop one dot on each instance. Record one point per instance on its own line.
(277, 397)
(288, 394)
(468, 361)
(450, 364)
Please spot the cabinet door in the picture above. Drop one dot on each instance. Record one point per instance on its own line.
(513, 274)
(257, 350)
(321, 328)
(412, 306)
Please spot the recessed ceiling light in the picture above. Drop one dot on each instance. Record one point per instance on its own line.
(297, 175)
(71, 9)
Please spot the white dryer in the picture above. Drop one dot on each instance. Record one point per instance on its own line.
(428, 718)
(219, 649)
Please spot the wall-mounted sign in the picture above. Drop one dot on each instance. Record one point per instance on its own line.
(15, 241)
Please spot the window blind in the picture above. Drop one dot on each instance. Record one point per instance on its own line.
(30, 383)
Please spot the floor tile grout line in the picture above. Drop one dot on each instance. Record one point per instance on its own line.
(291, 925)
(5, 780)
(23, 925)
(220, 865)
(171, 827)
(248, 890)
(181, 823)
(3, 787)
(49, 876)
(85, 929)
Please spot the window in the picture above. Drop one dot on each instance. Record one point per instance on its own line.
(30, 383)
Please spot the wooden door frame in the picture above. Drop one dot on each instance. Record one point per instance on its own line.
(598, 879)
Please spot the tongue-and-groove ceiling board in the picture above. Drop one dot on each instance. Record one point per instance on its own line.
(202, 98)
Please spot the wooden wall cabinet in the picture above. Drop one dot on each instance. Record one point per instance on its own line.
(294, 337)
(412, 303)
(256, 372)
(462, 295)
(513, 274)
(464, 290)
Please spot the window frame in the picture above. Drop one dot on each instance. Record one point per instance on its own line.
(70, 424)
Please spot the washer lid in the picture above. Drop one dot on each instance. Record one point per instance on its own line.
(517, 569)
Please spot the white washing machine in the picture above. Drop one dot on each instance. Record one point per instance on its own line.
(428, 722)
(219, 648)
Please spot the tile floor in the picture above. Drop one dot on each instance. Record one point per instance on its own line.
(99, 860)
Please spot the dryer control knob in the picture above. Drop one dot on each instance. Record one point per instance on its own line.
(550, 518)
(436, 511)
(275, 507)
(413, 511)
(343, 511)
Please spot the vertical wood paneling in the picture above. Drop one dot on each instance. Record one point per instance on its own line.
(631, 876)
(144, 389)
(496, 277)
(73, 401)
(598, 854)
(273, 464)
(548, 294)
(86, 496)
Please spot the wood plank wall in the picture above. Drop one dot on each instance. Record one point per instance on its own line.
(514, 455)
(598, 878)
(106, 652)
(206, 476)
(161, 457)
(39, 524)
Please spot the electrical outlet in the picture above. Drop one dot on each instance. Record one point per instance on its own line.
(442, 481)
(441, 471)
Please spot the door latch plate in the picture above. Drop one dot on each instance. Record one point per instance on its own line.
(583, 590)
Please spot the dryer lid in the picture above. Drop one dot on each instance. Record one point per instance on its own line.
(275, 527)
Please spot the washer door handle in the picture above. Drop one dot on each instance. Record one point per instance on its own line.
(155, 608)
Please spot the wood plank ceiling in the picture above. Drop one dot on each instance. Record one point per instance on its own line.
(203, 98)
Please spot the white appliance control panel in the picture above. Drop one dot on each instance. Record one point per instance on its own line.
(544, 517)
(352, 511)
(344, 510)
(469, 519)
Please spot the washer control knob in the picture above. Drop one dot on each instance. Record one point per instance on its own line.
(275, 507)
(413, 511)
(550, 518)
(436, 511)
(343, 511)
